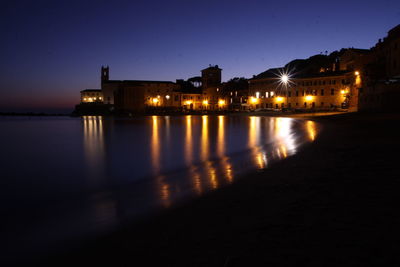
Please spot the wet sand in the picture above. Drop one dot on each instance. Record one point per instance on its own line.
(333, 204)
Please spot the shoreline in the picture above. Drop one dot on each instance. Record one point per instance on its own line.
(322, 206)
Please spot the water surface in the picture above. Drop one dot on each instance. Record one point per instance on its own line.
(69, 178)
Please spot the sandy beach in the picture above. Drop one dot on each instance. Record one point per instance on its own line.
(333, 204)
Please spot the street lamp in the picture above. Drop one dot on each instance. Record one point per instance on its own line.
(285, 82)
(285, 79)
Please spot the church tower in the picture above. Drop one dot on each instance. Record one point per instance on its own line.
(105, 71)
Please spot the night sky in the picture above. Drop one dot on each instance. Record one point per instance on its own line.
(50, 50)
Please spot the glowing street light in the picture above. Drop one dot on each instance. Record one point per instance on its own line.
(285, 79)
(285, 82)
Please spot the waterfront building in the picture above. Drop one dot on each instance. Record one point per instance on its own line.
(137, 95)
(91, 96)
(382, 74)
(350, 79)
(321, 82)
(236, 92)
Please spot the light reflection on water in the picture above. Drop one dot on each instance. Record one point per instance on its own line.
(94, 173)
(191, 155)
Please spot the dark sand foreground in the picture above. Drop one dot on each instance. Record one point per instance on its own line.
(336, 203)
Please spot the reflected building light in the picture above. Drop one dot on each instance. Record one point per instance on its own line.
(212, 174)
(221, 137)
(254, 132)
(93, 144)
(283, 151)
(204, 138)
(278, 152)
(254, 142)
(228, 169)
(311, 129)
(260, 160)
(197, 184)
(155, 146)
(188, 141)
(285, 135)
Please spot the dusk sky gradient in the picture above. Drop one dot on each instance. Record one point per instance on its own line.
(51, 50)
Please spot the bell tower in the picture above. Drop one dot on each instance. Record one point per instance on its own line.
(105, 71)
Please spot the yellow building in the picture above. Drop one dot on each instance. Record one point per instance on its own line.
(321, 91)
(91, 96)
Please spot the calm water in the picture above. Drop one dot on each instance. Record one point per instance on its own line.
(64, 179)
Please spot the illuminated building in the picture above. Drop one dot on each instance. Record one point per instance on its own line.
(198, 93)
(321, 82)
(91, 96)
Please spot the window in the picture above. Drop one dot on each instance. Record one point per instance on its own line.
(322, 91)
(297, 93)
(276, 106)
(334, 82)
(297, 104)
(290, 105)
(289, 94)
(322, 104)
(314, 92)
(332, 91)
(305, 104)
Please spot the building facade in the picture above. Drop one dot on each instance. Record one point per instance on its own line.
(91, 96)
(321, 82)
(318, 92)
(382, 75)
(138, 95)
